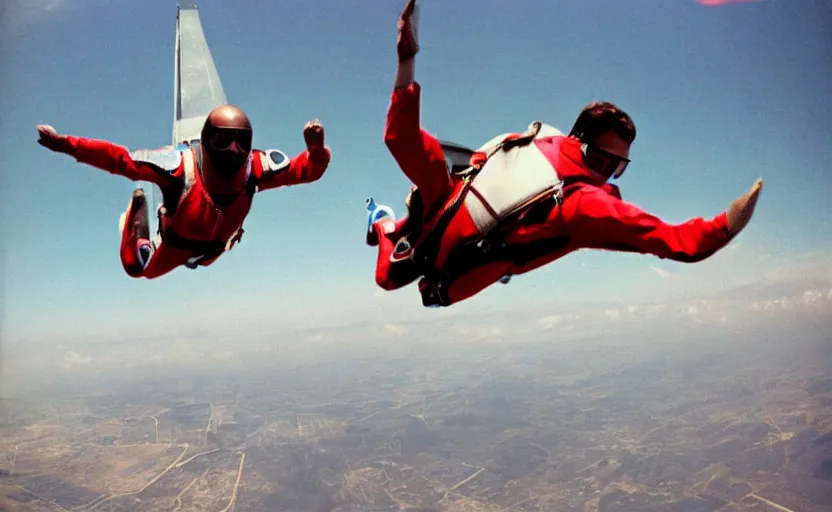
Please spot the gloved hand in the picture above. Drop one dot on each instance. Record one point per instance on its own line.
(313, 134)
(236, 238)
(742, 208)
(50, 139)
(406, 44)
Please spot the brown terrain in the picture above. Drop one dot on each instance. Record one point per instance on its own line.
(692, 423)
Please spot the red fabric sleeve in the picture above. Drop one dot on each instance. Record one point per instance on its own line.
(116, 159)
(597, 220)
(305, 167)
(417, 152)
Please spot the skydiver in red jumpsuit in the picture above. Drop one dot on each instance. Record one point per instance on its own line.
(456, 251)
(207, 188)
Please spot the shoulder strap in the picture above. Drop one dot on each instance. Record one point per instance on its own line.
(172, 196)
(197, 154)
(189, 167)
(427, 244)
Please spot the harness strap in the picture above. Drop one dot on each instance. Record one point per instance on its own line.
(190, 155)
(207, 248)
(491, 249)
(482, 251)
(426, 247)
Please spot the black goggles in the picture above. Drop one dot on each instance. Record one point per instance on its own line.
(228, 139)
(608, 165)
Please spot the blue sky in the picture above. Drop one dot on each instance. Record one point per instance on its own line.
(720, 96)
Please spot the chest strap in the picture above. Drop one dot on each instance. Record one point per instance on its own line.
(482, 250)
(489, 249)
(205, 248)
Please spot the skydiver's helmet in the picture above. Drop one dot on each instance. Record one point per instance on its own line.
(226, 144)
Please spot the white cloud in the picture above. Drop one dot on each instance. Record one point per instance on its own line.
(22, 14)
(74, 360)
(549, 322)
(812, 296)
(693, 312)
(805, 266)
(752, 304)
(18, 16)
(817, 299)
(664, 274)
(395, 330)
(475, 332)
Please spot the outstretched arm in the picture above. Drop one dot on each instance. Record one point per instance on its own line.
(305, 167)
(418, 153)
(114, 158)
(407, 45)
(402, 127)
(598, 220)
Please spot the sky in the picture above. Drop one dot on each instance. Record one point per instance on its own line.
(720, 95)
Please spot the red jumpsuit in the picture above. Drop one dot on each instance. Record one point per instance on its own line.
(591, 215)
(195, 225)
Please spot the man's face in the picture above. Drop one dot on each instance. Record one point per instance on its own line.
(608, 155)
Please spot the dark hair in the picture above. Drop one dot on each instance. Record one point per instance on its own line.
(600, 117)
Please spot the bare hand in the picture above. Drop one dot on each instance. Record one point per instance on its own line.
(742, 208)
(406, 44)
(313, 134)
(50, 139)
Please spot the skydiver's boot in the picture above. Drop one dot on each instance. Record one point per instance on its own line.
(402, 268)
(401, 251)
(408, 224)
(136, 248)
(381, 214)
